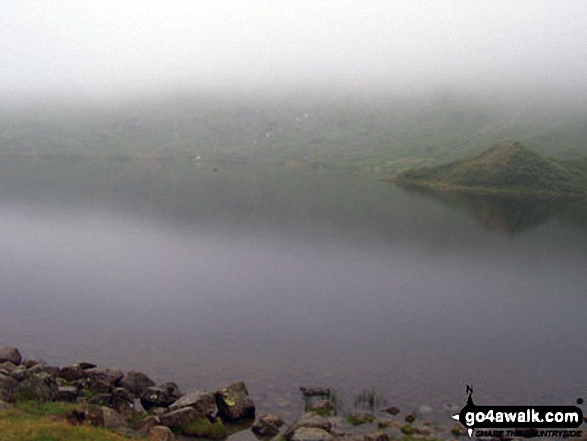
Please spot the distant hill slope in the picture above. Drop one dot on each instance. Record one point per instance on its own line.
(380, 130)
(507, 168)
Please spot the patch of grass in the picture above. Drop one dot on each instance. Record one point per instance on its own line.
(203, 428)
(19, 425)
(44, 409)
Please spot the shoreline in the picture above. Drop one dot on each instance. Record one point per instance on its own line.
(131, 404)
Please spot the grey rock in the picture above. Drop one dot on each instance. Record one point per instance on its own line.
(311, 434)
(52, 371)
(67, 393)
(267, 426)
(178, 417)
(104, 399)
(136, 382)
(172, 389)
(96, 416)
(323, 406)
(161, 433)
(234, 403)
(112, 419)
(107, 375)
(10, 353)
(85, 365)
(95, 386)
(30, 362)
(410, 417)
(203, 402)
(146, 423)
(156, 397)
(308, 420)
(73, 372)
(8, 387)
(41, 387)
(7, 367)
(20, 373)
(122, 403)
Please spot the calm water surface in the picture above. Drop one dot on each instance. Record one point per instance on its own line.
(286, 278)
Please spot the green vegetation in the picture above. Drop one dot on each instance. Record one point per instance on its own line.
(369, 399)
(358, 418)
(505, 169)
(203, 428)
(37, 422)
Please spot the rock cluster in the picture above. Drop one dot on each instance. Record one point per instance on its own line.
(131, 401)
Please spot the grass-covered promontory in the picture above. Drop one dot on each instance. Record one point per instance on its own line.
(508, 169)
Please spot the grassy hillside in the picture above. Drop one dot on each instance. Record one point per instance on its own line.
(507, 168)
(384, 132)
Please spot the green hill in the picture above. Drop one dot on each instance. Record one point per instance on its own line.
(508, 169)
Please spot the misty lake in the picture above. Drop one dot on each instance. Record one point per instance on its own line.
(288, 278)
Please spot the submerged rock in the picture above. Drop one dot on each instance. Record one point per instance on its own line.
(311, 434)
(315, 391)
(267, 426)
(308, 420)
(392, 410)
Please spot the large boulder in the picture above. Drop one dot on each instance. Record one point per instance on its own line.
(234, 403)
(136, 382)
(10, 353)
(203, 402)
(41, 387)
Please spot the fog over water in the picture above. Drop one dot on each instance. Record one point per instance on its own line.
(94, 48)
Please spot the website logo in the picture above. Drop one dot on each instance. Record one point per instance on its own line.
(528, 421)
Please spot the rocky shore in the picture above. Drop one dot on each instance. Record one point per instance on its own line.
(133, 405)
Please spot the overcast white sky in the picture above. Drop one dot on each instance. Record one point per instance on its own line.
(125, 45)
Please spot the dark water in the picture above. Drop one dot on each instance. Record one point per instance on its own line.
(286, 278)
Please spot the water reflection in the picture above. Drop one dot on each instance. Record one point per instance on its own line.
(511, 215)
